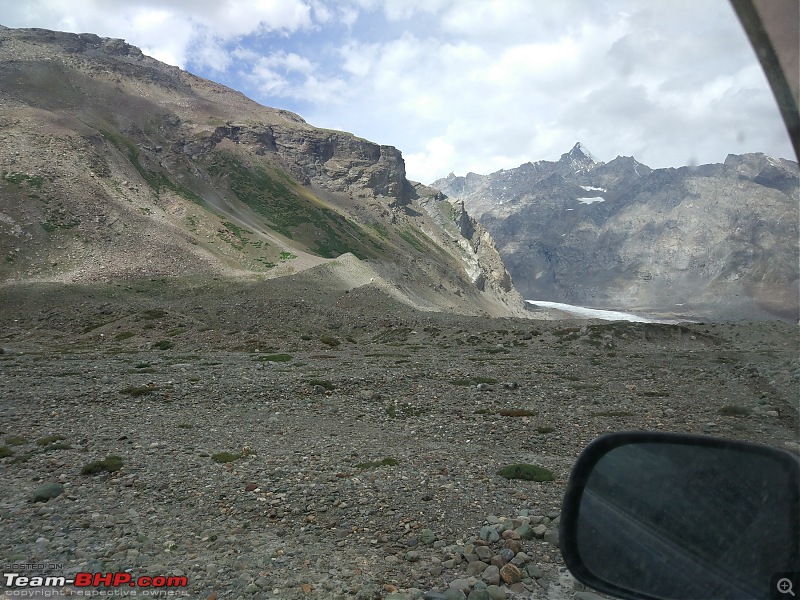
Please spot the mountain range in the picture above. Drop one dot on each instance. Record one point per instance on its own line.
(114, 165)
(716, 241)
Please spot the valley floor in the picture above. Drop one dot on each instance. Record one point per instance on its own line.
(365, 437)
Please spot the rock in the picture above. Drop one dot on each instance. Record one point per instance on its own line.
(514, 545)
(456, 593)
(510, 573)
(476, 568)
(479, 595)
(534, 571)
(427, 537)
(496, 592)
(482, 387)
(539, 531)
(491, 575)
(484, 553)
(48, 491)
(551, 537)
(587, 596)
(526, 532)
(434, 595)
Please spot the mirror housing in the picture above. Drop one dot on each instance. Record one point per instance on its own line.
(659, 515)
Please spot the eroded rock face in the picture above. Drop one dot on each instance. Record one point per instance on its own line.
(712, 238)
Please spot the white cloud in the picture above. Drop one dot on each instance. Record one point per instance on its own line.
(469, 84)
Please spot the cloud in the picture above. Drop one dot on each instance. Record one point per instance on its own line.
(469, 84)
(169, 30)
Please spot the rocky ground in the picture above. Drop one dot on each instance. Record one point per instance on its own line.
(364, 438)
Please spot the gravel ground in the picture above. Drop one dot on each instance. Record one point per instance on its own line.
(364, 438)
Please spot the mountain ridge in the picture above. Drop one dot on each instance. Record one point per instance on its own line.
(115, 165)
(715, 241)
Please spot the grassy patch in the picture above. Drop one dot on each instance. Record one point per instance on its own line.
(322, 382)
(526, 472)
(141, 390)
(16, 440)
(225, 457)
(392, 334)
(386, 462)
(50, 439)
(734, 411)
(330, 341)
(154, 313)
(108, 465)
(163, 345)
(5, 452)
(545, 429)
(516, 412)
(410, 237)
(289, 210)
(123, 335)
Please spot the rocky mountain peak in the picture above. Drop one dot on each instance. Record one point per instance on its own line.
(579, 155)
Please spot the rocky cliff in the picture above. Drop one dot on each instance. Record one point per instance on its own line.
(113, 164)
(712, 241)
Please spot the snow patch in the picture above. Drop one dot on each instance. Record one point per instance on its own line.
(596, 313)
(590, 188)
(591, 200)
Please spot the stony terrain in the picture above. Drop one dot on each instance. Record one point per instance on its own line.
(365, 437)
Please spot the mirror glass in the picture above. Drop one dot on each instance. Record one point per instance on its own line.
(676, 521)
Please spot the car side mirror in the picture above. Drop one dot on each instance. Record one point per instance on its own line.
(660, 515)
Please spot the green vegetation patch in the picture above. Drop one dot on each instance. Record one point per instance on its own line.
(50, 439)
(155, 180)
(386, 462)
(141, 390)
(411, 237)
(545, 429)
(734, 411)
(516, 412)
(154, 313)
(109, 464)
(526, 472)
(5, 452)
(322, 382)
(274, 195)
(16, 440)
(34, 181)
(163, 345)
(225, 457)
(330, 341)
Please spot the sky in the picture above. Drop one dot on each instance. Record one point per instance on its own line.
(468, 85)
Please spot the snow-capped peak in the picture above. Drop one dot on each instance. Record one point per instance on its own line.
(580, 151)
